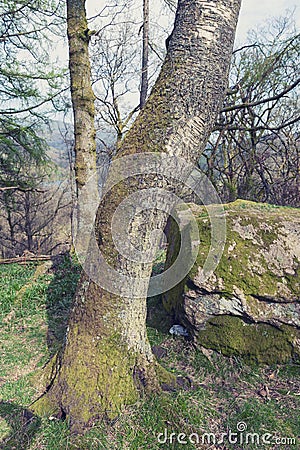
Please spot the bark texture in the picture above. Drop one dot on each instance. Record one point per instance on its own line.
(107, 359)
(145, 54)
(81, 92)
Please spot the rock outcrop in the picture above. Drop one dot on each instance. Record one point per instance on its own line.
(250, 305)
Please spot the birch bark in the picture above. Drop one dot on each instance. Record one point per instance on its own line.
(107, 359)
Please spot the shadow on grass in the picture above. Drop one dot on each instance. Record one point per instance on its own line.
(23, 426)
(59, 300)
(60, 296)
(157, 317)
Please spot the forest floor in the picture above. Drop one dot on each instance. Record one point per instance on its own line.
(228, 405)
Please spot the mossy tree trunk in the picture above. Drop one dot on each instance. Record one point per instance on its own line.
(81, 92)
(107, 359)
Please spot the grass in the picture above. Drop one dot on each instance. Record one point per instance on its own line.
(224, 393)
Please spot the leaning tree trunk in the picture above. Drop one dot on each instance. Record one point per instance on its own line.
(145, 54)
(107, 360)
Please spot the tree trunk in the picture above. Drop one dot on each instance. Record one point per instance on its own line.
(107, 359)
(145, 54)
(81, 92)
(28, 221)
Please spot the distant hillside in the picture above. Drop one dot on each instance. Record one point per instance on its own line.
(59, 137)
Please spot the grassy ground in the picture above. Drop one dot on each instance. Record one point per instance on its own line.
(224, 394)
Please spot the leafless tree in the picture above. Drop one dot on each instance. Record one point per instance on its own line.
(254, 151)
(35, 219)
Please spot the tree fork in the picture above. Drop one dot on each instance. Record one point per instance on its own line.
(107, 359)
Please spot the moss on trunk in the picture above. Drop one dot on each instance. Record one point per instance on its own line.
(81, 92)
(107, 360)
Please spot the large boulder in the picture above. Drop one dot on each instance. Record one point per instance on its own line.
(250, 305)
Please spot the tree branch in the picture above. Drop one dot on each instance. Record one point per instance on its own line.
(265, 100)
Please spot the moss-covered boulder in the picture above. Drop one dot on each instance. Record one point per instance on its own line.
(250, 305)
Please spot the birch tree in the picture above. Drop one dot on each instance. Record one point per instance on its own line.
(107, 362)
(145, 54)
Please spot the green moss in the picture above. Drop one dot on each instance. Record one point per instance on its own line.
(236, 266)
(160, 114)
(259, 343)
(97, 380)
(45, 406)
(244, 270)
(165, 377)
(241, 204)
(293, 282)
(172, 300)
(100, 382)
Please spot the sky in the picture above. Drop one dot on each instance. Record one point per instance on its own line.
(253, 12)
